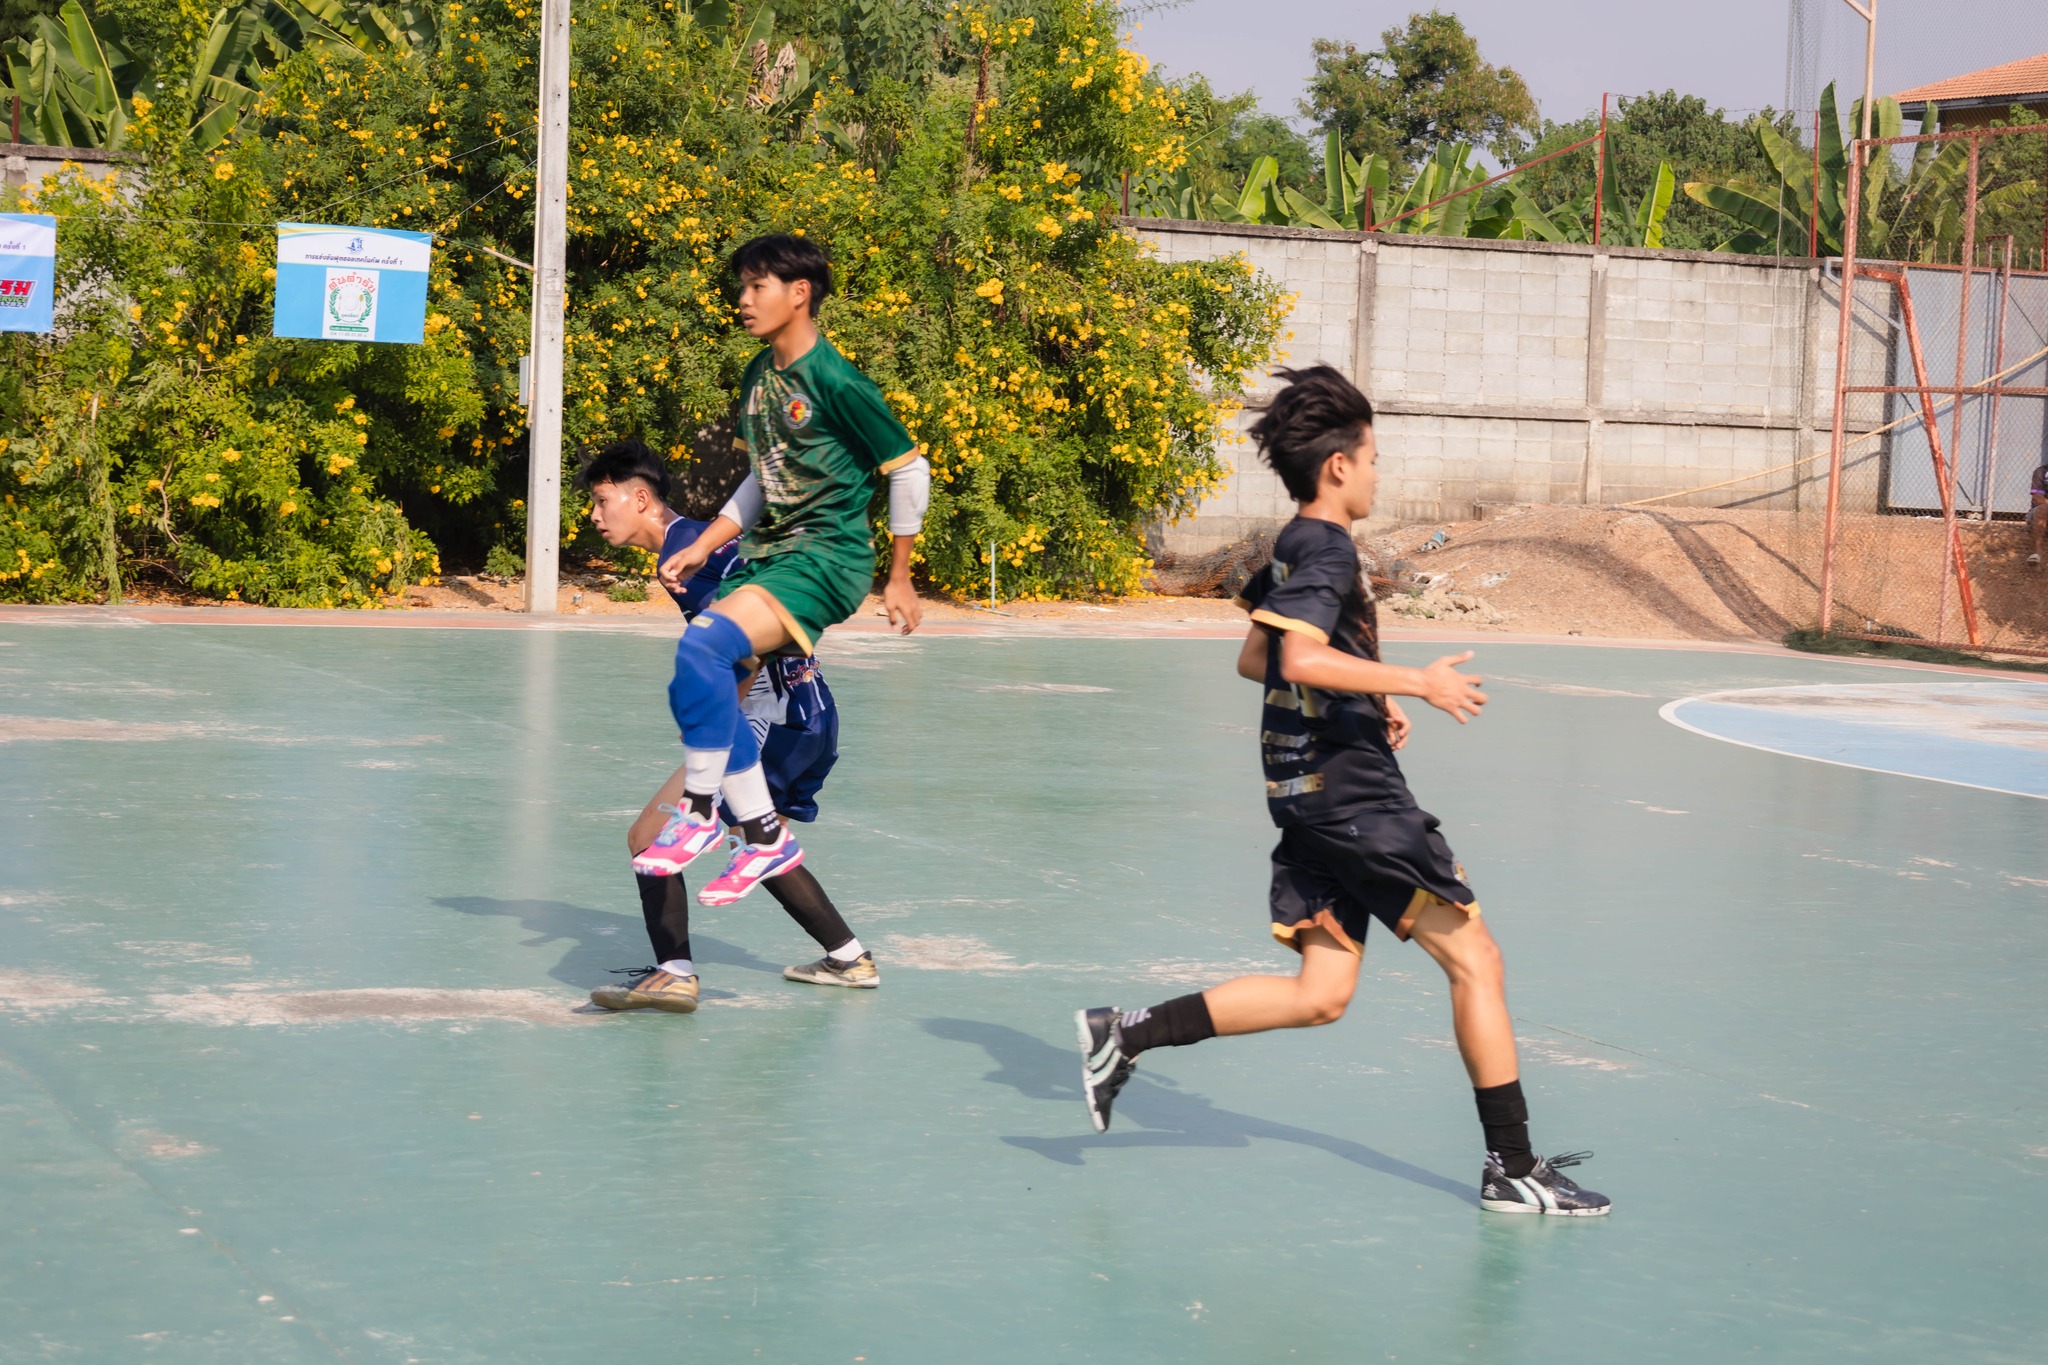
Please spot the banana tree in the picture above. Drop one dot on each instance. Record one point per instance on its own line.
(73, 79)
(1621, 225)
(248, 40)
(1347, 182)
(1258, 200)
(76, 80)
(1910, 214)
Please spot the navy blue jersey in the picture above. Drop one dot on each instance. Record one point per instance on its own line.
(701, 586)
(789, 706)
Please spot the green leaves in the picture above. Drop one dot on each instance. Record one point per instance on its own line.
(73, 78)
(1914, 215)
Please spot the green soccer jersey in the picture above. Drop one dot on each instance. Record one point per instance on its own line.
(817, 434)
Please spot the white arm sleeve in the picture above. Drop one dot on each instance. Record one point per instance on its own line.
(743, 508)
(910, 492)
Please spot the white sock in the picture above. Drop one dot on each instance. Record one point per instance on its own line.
(703, 770)
(747, 793)
(679, 966)
(847, 952)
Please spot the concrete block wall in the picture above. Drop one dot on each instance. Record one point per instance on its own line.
(1535, 372)
(26, 164)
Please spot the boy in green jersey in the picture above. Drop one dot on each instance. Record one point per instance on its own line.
(817, 434)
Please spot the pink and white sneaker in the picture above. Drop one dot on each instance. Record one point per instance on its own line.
(686, 835)
(751, 866)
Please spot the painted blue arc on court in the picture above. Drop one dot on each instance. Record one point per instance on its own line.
(1991, 734)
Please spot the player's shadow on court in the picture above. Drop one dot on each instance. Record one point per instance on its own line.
(597, 941)
(1171, 1118)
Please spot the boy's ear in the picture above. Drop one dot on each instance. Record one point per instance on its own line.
(1325, 474)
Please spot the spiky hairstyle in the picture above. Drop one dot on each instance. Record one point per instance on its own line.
(1319, 413)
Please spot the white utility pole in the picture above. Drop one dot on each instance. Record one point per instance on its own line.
(550, 240)
(1867, 11)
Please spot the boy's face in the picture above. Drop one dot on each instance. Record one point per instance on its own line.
(1354, 476)
(620, 510)
(769, 303)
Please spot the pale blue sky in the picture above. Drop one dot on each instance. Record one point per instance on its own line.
(1731, 51)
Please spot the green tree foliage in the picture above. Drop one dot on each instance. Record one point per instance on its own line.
(1228, 135)
(1425, 85)
(1069, 388)
(17, 17)
(1698, 143)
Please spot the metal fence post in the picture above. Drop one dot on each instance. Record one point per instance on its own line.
(1848, 287)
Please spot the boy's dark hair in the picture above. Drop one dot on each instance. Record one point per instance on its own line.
(788, 259)
(1319, 413)
(623, 460)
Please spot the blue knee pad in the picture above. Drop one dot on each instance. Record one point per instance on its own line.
(703, 695)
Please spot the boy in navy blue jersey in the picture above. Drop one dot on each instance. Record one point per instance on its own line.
(1354, 847)
(791, 713)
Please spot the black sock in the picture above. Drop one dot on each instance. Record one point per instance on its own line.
(764, 830)
(1504, 1114)
(799, 893)
(700, 803)
(1173, 1024)
(665, 905)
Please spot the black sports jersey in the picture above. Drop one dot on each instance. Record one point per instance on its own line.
(1326, 754)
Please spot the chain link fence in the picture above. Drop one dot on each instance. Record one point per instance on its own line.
(1940, 428)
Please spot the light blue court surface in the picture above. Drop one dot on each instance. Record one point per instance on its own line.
(1976, 734)
(294, 924)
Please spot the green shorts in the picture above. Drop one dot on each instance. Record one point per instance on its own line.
(809, 591)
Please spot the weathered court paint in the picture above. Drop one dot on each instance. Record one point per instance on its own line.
(1992, 735)
(294, 924)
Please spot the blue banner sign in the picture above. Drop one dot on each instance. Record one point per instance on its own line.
(351, 284)
(28, 271)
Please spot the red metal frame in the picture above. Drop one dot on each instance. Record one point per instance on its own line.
(1600, 171)
(1954, 562)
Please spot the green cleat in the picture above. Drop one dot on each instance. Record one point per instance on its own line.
(859, 973)
(651, 989)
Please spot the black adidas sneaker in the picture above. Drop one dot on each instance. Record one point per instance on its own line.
(1543, 1190)
(1104, 1067)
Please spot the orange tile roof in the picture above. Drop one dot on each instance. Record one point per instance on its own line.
(2027, 76)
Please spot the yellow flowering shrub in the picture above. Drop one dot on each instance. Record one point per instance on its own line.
(1069, 389)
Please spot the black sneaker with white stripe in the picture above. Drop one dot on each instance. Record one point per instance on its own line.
(1543, 1190)
(1104, 1067)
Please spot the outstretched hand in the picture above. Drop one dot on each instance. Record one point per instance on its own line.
(1454, 693)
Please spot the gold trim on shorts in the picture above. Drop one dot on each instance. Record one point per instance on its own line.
(789, 622)
(1326, 918)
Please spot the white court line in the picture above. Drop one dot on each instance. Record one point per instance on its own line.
(1669, 709)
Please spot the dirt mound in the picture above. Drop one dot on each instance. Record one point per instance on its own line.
(1691, 574)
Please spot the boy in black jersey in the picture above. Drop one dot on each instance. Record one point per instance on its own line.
(1354, 847)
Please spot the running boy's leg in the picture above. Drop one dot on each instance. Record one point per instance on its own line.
(714, 658)
(1317, 994)
(1515, 1179)
(846, 962)
(665, 906)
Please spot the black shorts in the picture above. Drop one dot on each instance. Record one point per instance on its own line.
(1384, 865)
